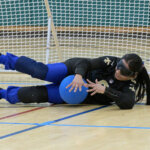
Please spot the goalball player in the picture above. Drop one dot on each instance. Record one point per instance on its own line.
(123, 81)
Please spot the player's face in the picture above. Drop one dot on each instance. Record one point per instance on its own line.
(122, 71)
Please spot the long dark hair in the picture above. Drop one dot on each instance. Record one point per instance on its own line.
(142, 80)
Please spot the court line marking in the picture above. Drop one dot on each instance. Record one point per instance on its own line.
(140, 103)
(72, 125)
(95, 126)
(10, 83)
(18, 123)
(50, 122)
(18, 132)
(13, 115)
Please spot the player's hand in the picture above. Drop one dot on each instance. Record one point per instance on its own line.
(76, 83)
(95, 87)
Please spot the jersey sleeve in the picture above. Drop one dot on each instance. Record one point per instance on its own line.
(125, 99)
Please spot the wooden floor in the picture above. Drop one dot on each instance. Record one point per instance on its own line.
(75, 127)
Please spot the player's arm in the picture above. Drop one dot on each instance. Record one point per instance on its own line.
(125, 99)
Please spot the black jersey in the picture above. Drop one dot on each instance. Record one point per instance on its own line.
(103, 69)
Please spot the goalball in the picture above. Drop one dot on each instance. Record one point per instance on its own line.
(72, 97)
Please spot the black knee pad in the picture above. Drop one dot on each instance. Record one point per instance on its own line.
(33, 94)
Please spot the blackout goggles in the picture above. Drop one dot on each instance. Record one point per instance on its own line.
(123, 70)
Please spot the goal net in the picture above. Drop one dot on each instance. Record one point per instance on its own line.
(55, 30)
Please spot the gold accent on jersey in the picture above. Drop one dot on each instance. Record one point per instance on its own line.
(112, 63)
(107, 60)
(104, 83)
(132, 88)
(133, 81)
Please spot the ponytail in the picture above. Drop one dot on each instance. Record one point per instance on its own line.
(143, 84)
(142, 81)
(147, 81)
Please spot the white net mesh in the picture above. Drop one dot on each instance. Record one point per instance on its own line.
(23, 26)
(85, 28)
(23, 31)
(95, 28)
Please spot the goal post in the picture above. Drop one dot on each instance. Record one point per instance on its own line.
(54, 33)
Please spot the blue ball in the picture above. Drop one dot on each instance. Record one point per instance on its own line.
(72, 97)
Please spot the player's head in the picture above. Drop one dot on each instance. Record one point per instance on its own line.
(135, 63)
(128, 67)
(131, 67)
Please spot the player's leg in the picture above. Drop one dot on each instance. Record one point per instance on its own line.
(32, 94)
(51, 72)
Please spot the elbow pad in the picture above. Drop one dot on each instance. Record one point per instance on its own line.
(126, 101)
